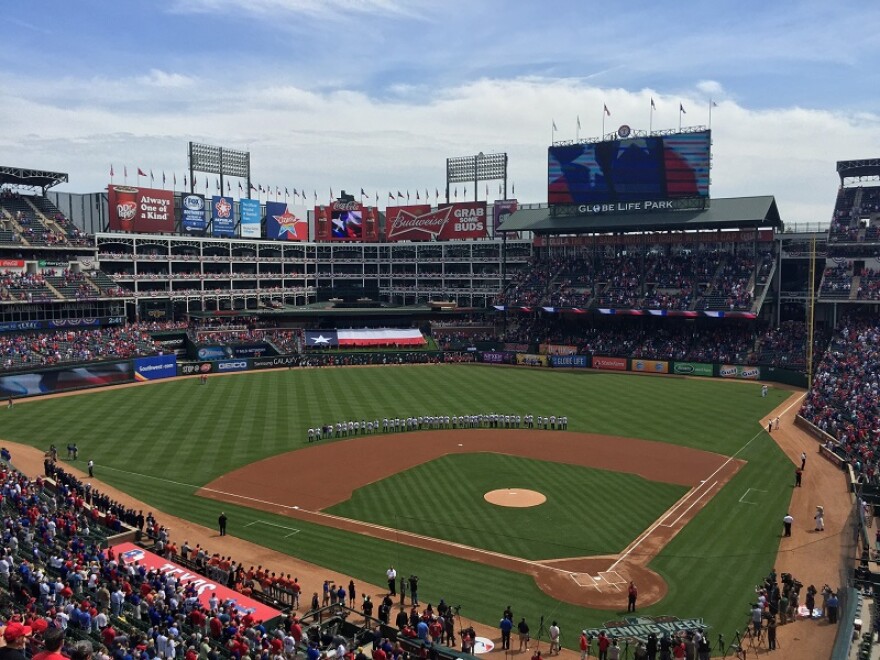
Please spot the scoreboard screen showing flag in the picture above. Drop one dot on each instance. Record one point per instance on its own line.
(638, 169)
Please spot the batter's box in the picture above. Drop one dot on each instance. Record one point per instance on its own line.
(586, 580)
(612, 578)
(291, 530)
(604, 581)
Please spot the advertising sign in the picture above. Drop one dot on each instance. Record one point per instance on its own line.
(60, 380)
(459, 221)
(516, 348)
(275, 362)
(649, 366)
(155, 367)
(205, 588)
(569, 361)
(286, 223)
(558, 349)
(346, 221)
(134, 209)
(738, 371)
(252, 350)
(495, 357)
(531, 360)
(192, 368)
(250, 218)
(501, 210)
(222, 218)
(11, 263)
(193, 220)
(225, 366)
(692, 369)
(609, 363)
(213, 352)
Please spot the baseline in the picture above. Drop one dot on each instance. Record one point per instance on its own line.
(293, 530)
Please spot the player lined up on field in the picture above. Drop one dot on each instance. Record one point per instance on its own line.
(437, 422)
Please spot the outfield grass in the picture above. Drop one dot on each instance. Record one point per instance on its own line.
(587, 512)
(160, 442)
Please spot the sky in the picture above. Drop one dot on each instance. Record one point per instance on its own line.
(377, 94)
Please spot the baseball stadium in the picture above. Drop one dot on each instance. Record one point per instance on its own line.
(629, 419)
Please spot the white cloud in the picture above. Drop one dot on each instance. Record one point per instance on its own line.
(711, 88)
(346, 139)
(163, 79)
(274, 9)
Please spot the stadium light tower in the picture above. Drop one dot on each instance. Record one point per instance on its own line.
(473, 169)
(219, 160)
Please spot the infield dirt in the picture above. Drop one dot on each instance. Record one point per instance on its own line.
(266, 485)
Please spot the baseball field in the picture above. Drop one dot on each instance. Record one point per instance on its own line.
(664, 479)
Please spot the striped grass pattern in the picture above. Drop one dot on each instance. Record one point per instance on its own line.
(146, 438)
(587, 512)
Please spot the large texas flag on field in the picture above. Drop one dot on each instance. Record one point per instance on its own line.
(364, 337)
(321, 339)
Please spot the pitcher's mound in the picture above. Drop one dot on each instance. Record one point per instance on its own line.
(515, 497)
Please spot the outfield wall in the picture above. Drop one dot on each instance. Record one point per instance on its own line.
(40, 381)
(566, 360)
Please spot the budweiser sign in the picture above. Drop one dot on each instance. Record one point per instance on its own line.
(416, 224)
(420, 223)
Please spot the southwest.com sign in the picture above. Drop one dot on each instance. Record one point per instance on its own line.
(154, 368)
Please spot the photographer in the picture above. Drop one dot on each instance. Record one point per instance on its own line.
(811, 599)
(414, 589)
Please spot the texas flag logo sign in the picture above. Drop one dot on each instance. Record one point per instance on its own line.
(288, 225)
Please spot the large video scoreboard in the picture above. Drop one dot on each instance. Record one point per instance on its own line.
(649, 173)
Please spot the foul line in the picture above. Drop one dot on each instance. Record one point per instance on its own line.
(640, 539)
(743, 500)
(693, 504)
(293, 530)
(321, 514)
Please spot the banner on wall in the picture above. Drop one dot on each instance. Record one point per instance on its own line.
(570, 361)
(191, 368)
(649, 366)
(222, 218)
(531, 360)
(609, 363)
(692, 369)
(557, 349)
(192, 209)
(738, 371)
(501, 210)
(459, 221)
(61, 380)
(346, 221)
(135, 209)
(249, 209)
(285, 222)
(155, 367)
(495, 357)
(129, 553)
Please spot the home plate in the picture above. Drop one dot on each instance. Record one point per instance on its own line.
(460, 445)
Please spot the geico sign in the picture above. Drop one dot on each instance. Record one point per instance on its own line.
(227, 366)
